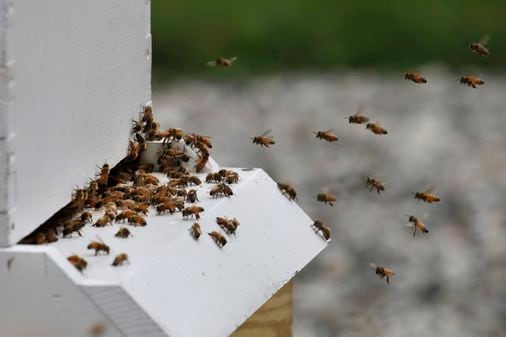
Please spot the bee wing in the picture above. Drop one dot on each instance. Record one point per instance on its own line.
(409, 224)
(99, 239)
(233, 59)
(389, 272)
(484, 40)
(360, 110)
(267, 132)
(373, 265)
(211, 64)
(329, 130)
(430, 189)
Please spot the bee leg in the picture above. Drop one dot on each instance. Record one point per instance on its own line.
(414, 231)
(331, 204)
(78, 232)
(388, 280)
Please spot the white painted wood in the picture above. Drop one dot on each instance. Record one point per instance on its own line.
(39, 299)
(193, 288)
(77, 72)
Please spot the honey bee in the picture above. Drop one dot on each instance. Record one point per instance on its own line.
(358, 117)
(326, 135)
(323, 228)
(51, 235)
(78, 262)
(78, 199)
(40, 238)
(134, 149)
(86, 217)
(415, 77)
(141, 208)
(214, 177)
(171, 133)
(221, 61)
(221, 190)
(218, 238)
(192, 211)
(417, 225)
(194, 140)
(326, 198)
(471, 81)
(195, 231)
(99, 246)
(264, 139)
(201, 163)
(151, 180)
(427, 196)
(124, 215)
(479, 47)
(373, 183)
(169, 206)
(382, 272)
(123, 233)
(229, 226)
(287, 190)
(192, 196)
(229, 176)
(71, 226)
(137, 220)
(376, 128)
(136, 126)
(103, 177)
(120, 259)
(102, 221)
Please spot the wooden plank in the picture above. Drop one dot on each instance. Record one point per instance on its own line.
(74, 87)
(273, 319)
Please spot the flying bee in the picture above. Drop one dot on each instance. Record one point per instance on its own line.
(427, 196)
(479, 47)
(218, 238)
(417, 225)
(327, 135)
(358, 117)
(120, 259)
(78, 262)
(137, 220)
(192, 211)
(326, 198)
(195, 231)
(374, 184)
(103, 176)
(221, 190)
(123, 233)
(376, 128)
(287, 190)
(86, 217)
(192, 196)
(471, 81)
(102, 221)
(264, 139)
(382, 271)
(323, 228)
(222, 62)
(415, 77)
(99, 246)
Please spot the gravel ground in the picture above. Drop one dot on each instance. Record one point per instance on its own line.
(450, 282)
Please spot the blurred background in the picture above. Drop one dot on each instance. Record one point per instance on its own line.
(306, 65)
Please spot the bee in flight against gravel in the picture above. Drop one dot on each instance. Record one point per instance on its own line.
(471, 81)
(326, 197)
(382, 271)
(264, 139)
(358, 117)
(415, 77)
(479, 47)
(323, 228)
(222, 62)
(427, 196)
(416, 224)
(374, 184)
(376, 128)
(327, 135)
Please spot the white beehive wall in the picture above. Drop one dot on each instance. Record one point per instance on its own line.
(73, 73)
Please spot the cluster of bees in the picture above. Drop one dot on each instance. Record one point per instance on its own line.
(266, 140)
(127, 192)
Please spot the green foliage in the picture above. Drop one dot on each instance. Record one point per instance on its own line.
(272, 35)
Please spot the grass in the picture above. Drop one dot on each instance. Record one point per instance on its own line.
(279, 35)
